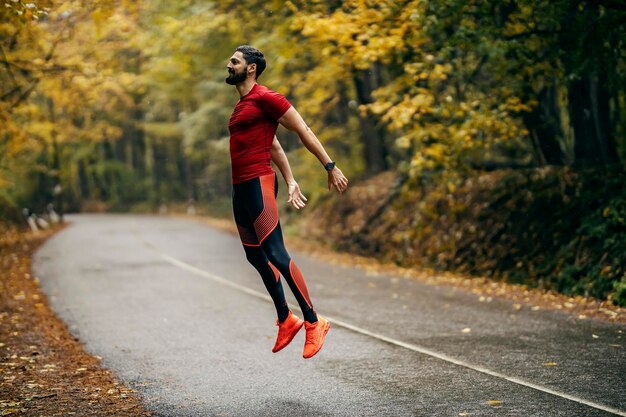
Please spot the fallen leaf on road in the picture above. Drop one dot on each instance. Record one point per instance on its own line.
(550, 364)
(466, 330)
(494, 403)
(595, 336)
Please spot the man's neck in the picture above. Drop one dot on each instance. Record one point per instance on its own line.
(245, 87)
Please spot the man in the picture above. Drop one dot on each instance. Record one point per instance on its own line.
(253, 145)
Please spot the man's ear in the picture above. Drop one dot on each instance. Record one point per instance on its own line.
(251, 68)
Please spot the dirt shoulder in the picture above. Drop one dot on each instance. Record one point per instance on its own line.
(44, 369)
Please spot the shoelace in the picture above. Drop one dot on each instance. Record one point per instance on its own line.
(311, 335)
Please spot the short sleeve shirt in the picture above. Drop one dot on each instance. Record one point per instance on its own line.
(252, 128)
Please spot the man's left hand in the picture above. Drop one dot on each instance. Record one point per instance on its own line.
(337, 179)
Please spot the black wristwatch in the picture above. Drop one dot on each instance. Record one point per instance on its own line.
(330, 166)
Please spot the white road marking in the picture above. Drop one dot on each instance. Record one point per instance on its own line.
(409, 346)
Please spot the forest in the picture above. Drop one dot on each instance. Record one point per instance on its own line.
(481, 136)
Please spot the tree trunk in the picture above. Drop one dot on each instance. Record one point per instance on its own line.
(56, 194)
(544, 125)
(591, 121)
(152, 170)
(619, 123)
(374, 151)
(83, 181)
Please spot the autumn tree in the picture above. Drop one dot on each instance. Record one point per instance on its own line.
(124, 102)
(65, 96)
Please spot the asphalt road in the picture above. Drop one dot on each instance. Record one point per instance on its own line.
(174, 309)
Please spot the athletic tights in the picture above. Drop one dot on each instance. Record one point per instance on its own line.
(256, 215)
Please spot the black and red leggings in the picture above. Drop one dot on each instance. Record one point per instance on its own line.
(256, 215)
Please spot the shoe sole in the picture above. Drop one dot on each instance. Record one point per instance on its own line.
(293, 335)
(321, 344)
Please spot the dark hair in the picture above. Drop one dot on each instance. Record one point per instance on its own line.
(253, 56)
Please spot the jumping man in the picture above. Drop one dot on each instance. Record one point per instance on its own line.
(253, 145)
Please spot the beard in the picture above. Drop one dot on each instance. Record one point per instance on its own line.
(236, 78)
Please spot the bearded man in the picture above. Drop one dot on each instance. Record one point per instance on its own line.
(253, 145)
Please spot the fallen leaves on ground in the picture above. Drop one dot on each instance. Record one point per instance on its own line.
(44, 370)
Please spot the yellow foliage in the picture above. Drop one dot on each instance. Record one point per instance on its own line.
(423, 107)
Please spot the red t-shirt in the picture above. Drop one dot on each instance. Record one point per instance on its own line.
(252, 128)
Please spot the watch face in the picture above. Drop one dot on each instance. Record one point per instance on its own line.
(329, 166)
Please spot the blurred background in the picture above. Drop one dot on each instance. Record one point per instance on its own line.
(485, 137)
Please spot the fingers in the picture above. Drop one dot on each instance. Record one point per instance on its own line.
(297, 199)
(338, 180)
(298, 203)
(342, 184)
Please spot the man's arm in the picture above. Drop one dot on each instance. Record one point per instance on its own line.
(294, 122)
(296, 198)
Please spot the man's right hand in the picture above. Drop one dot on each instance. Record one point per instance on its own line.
(296, 198)
(337, 179)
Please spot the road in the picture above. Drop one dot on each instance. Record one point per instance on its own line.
(177, 313)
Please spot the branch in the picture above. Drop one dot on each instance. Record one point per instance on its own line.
(32, 87)
(10, 93)
(7, 64)
(495, 165)
(25, 94)
(16, 65)
(530, 33)
(483, 61)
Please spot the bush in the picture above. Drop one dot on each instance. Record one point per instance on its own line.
(551, 228)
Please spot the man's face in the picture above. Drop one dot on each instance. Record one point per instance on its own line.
(237, 69)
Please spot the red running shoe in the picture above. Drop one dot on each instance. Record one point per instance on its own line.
(315, 334)
(287, 330)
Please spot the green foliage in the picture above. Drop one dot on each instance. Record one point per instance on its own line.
(550, 228)
(619, 295)
(9, 210)
(594, 260)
